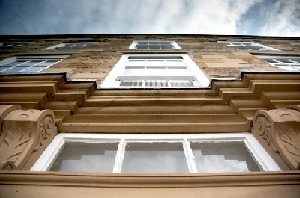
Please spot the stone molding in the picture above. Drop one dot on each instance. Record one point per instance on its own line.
(112, 180)
(24, 134)
(280, 129)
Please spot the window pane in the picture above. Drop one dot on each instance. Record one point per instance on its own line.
(46, 64)
(181, 83)
(2, 69)
(31, 63)
(223, 157)
(15, 63)
(154, 158)
(136, 63)
(155, 63)
(86, 157)
(250, 47)
(15, 69)
(34, 69)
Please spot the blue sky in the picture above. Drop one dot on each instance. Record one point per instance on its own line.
(246, 17)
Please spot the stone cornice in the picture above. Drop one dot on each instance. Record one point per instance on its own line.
(228, 106)
(149, 180)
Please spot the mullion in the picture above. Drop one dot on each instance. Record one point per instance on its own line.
(119, 157)
(190, 158)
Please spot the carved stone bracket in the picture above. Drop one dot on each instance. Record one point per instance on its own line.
(280, 128)
(24, 134)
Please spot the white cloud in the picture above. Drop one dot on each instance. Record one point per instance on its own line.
(282, 19)
(147, 17)
(179, 16)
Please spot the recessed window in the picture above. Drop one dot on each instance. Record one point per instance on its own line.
(154, 45)
(155, 71)
(29, 64)
(116, 153)
(248, 46)
(71, 46)
(283, 62)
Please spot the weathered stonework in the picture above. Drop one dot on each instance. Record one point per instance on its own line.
(233, 106)
(280, 129)
(24, 135)
(96, 61)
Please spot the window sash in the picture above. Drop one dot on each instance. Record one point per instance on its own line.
(30, 64)
(282, 62)
(248, 45)
(258, 154)
(154, 45)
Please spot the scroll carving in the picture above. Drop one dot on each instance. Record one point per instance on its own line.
(25, 133)
(280, 129)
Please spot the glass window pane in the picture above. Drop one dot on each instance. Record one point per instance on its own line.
(15, 69)
(154, 158)
(45, 64)
(250, 47)
(34, 69)
(223, 157)
(3, 68)
(86, 157)
(136, 63)
(31, 63)
(175, 63)
(15, 63)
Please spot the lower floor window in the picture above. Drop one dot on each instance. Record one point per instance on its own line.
(190, 153)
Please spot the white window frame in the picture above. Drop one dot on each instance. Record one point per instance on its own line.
(119, 69)
(61, 45)
(239, 44)
(294, 66)
(136, 42)
(38, 59)
(258, 153)
(12, 44)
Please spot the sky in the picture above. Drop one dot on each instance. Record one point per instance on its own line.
(226, 17)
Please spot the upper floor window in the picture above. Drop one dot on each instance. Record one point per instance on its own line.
(71, 46)
(296, 44)
(6, 45)
(155, 153)
(284, 62)
(155, 71)
(29, 64)
(247, 45)
(154, 45)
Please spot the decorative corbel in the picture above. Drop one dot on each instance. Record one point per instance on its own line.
(24, 135)
(280, 129)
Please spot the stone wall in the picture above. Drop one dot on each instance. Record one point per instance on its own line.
(95, 62)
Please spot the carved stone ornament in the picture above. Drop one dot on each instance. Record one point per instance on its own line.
(23, 133)
(280, 128)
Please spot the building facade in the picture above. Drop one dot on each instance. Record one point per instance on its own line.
(149, 115)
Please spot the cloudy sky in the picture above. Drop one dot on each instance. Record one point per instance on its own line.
(246, 17)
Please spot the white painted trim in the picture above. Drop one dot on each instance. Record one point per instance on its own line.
(237, 44)
(64, 44)
(118, 70)
(135, 42)
(256, 150)
(40, 58)
(282, 65)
